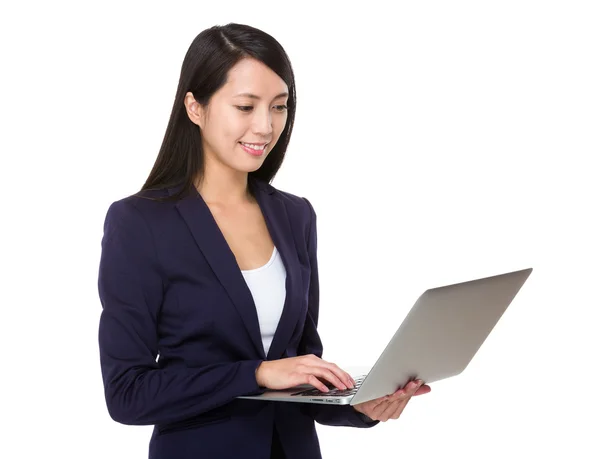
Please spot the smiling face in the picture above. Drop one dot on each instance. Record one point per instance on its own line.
(244, 119)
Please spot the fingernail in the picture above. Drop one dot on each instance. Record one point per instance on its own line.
(350, 383)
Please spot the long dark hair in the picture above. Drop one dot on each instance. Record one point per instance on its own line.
(203, 72)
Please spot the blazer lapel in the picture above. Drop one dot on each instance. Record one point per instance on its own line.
(221, 259)
(278, 223)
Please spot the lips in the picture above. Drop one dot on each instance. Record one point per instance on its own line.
(254, 149)
(255, 146)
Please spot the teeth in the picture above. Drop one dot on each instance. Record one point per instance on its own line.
(254, 147)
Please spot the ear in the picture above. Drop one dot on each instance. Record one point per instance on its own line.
(194, 110)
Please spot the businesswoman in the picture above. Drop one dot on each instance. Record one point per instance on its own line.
(208, 276)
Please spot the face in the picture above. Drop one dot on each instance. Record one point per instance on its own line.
(244, 119)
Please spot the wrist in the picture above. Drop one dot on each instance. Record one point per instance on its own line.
(259, 373)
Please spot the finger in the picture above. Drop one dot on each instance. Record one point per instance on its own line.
(314, 381)
(393, 408)
(378, 410)
(408, 391)
(344, 377)
(375, 408)
(400, 409)
(412, 386)
(370, 406)
(399, 394)
(402, 398)
(424, 389)
(402, 394)
(321, 374)
(327, 375)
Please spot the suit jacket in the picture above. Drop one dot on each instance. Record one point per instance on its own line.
(179, 335)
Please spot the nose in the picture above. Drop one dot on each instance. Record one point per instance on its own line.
(262, 123)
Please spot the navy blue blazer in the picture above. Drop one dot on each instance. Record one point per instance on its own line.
(179, 335)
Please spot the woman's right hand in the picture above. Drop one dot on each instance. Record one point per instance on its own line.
(305, 369)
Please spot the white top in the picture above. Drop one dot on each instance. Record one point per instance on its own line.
(267, 285)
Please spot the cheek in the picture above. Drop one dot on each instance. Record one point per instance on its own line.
(282, 121)
(234, 129)
(279, 125)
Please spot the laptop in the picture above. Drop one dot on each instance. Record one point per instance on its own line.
(437, 340)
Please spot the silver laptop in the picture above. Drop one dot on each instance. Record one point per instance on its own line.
(438, 338)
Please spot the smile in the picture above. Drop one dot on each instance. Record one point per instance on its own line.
(254, 150)
(256, 147)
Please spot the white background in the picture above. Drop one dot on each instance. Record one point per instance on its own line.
(437, 141)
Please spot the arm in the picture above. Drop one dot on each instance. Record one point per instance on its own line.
(311, 343)
(131, 287)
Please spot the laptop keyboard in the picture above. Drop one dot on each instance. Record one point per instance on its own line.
(333, 391)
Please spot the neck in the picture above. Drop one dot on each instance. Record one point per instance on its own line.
(224, 189)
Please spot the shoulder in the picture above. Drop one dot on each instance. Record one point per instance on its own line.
(300, 211)
(297, 205)
(141, 208)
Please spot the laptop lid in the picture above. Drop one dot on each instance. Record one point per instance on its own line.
(441, 333)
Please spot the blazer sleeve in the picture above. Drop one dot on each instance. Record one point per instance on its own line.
(131, 286)
(310, 343)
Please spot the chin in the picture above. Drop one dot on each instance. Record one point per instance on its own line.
(248, 167)
(255, 168)
(252, 164)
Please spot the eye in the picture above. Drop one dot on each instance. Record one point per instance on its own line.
(248, 108)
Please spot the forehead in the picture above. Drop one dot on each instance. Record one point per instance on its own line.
(254, 77)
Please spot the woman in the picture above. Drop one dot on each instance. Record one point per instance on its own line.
(208, 276)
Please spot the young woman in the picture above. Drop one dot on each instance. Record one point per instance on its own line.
(208, 276)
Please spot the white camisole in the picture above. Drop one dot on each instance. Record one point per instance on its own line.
(267, 285)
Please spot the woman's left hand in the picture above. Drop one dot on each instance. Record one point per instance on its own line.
(391, 406)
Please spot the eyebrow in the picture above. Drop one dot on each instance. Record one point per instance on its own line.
(254, 96)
